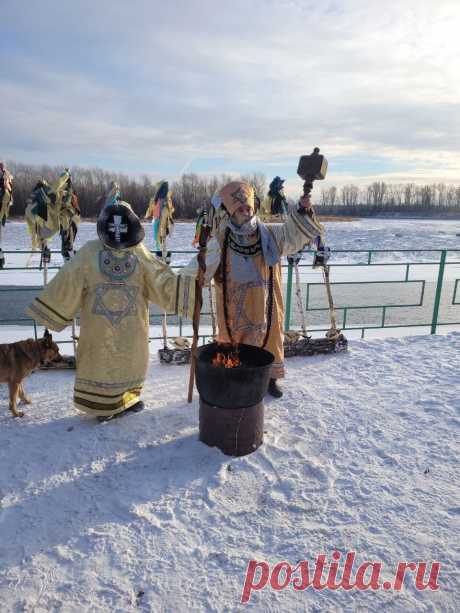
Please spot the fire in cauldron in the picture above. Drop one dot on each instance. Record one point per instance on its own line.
(232, 383)
(229, 360)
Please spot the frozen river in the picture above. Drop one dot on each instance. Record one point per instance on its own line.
(360, 234)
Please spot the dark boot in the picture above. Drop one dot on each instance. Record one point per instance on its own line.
(274, 389)
(102, 418)
(136, 408)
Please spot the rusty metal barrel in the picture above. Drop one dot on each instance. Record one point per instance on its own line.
(231, 399)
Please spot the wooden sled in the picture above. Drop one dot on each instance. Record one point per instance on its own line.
(174, 356)
(64, 362)
(180, 353)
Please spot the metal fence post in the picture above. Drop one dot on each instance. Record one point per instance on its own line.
(287, 315)
(437, 298)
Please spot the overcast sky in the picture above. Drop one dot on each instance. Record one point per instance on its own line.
(237, 86)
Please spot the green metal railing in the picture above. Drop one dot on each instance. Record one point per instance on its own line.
(440, 260)
(441, 263)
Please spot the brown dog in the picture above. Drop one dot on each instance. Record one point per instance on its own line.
(17, 360)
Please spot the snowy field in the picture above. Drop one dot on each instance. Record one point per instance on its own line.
(361, 454)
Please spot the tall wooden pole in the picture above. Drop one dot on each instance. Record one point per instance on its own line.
(205, 232)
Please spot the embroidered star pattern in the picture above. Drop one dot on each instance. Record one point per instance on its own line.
(124, 297)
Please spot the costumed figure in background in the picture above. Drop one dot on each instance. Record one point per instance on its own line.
(111, 196)
(111, 281)
(6, 192)
(201, 212)
(215, 215)
(275, 203)
(160, 210)
(43, 210)
(69, 218)
(245, 260)
(6, 200)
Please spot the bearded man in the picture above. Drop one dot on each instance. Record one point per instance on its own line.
(244, 257)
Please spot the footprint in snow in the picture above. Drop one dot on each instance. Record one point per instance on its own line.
(387, 459)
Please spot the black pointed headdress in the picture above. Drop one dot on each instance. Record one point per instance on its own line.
(119, 227)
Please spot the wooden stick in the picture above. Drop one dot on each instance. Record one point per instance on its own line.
(196, 323)
(333, 331)
(298, 292)
(164, 323)
(205, 231)
(2, 257)
(45, 263)
(211, 306)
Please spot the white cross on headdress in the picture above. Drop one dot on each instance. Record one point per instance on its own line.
(118, 227)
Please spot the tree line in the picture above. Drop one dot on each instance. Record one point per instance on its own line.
(192, 191)
(189, 192)
(382, 198)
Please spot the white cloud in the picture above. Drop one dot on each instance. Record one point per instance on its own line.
(255, 82)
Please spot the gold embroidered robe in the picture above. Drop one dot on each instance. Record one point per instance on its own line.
(111, 289)
(248, 284)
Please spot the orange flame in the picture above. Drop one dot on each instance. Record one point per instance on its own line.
(227, 361)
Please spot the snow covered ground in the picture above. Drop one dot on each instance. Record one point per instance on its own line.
(361, 454)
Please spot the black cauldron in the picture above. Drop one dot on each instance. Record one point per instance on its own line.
(233, 388)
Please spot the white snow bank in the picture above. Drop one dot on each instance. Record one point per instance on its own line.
(137, 515)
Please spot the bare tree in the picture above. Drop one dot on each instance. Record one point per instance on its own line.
(410, 194)
(349, 195)
(377, 193)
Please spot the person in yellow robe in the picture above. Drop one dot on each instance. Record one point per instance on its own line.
(110, 282)
(244, 257)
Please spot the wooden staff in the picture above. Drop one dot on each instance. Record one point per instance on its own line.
(164, 255)
(205, 232)
(45, 260)
(298, 292)
(211, 307)
(333, 332)
(2, 257)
